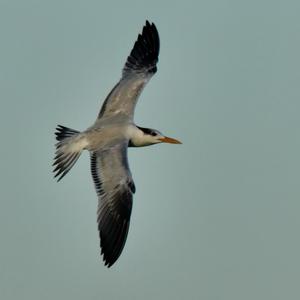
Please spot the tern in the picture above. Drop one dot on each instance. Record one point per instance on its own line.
(107, 141)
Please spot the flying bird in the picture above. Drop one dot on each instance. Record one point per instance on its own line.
(107, 141)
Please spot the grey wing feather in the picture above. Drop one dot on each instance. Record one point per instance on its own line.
(139, 68)
(115, 188)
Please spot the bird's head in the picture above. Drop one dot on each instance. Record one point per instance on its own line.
(148, 136)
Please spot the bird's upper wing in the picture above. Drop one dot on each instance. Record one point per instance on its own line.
(139, 68)
(115, 188)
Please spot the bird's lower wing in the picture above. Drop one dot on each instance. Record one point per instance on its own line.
(115, 188)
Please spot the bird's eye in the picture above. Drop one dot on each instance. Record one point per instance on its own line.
(153, 133)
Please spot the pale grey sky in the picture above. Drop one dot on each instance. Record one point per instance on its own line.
(214, 218)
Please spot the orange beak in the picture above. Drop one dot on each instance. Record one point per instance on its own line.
(169, 140)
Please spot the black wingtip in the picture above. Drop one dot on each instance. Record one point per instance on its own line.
(112, 245)
(113, 230)
(112, 248)
(144, 55)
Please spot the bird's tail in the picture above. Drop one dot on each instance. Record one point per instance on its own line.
(68, 149)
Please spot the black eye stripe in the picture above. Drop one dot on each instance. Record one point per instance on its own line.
(148, 131)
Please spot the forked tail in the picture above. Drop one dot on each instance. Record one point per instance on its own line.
(68, 149)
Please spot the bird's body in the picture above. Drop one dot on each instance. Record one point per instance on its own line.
(107, 141)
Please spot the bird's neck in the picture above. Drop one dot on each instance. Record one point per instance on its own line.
(139, 137)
